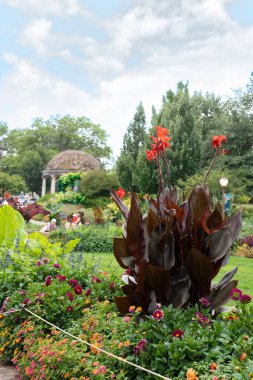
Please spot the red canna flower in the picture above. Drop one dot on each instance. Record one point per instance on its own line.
(218, 140)
(150, 155)
(121, 193)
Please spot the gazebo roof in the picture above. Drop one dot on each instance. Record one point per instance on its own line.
(71, 161)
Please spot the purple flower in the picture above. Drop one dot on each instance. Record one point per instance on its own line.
(48, 280)
(112, 285)
(56, 265)
(202, 319)
(245, 298)
(142, 343)
(235, 294)
(45, 260)
(95, 279)
(26, 301)
(204, 301)
(23, 292)
(88, 292)
(39, 263)
(137, 350)
(73, 282)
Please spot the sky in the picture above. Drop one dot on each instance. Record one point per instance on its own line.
(101, 58)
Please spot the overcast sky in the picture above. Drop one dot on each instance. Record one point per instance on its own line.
(100, 58)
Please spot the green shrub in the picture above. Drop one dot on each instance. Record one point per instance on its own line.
(93, 238)
(12, 183)
(97, 182)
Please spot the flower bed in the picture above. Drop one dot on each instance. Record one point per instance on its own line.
(168, 342)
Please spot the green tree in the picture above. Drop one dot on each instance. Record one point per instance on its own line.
(97, 182)
(12, 183)
(132, 143)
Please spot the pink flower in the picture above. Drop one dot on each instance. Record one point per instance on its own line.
(78, 289)
(131, 309)
(26, 301)
(60, 277)
(142, 343)
(112, 285)
(158, 315)
(235, 294)
(56, 265)
(39, 263)
(48, 280)
(245, 298)
(127, 318)
(102, 368)
(204, 301)
(69, 309)
(70, 296)
(95, 279)
(88, 292)
(45, 260)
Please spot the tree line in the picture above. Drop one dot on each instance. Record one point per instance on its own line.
(192, 120)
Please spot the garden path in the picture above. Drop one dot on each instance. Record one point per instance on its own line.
(7, 372)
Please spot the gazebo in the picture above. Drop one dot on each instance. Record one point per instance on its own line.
(68, 161)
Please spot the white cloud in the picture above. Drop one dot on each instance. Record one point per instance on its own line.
(40, 7)
(37, 35)
(165, 42)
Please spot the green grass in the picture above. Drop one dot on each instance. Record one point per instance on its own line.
(244, 274)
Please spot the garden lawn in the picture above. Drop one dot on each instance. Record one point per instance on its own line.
(244, 274)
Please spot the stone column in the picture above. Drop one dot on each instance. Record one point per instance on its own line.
(53, 184)
(44, 183)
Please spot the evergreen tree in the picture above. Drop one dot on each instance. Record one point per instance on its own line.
(132, 143)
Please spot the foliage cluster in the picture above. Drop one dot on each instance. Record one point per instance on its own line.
(28, 212)
(69, 180)
(97, 182)
(13, 183)
(92, 238)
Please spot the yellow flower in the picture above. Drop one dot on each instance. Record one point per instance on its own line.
(139, 309)
(66, 375)
(120, 345)
(127, 343)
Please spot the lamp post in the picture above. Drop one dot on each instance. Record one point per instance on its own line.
(223, 183)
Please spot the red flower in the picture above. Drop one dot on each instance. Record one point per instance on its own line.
(88, 292)
(158, 314)
(69, 309)
(161, 141)
(177, 333)
(73, 282)
(217, 140)
(121, 193)
(48, 280)
(150, 155)
(243, 356)
(78, 289)
(70, 296)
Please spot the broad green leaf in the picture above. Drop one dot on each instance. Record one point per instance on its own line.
(11, 224)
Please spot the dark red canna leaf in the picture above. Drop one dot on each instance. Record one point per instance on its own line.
(123, 304)
(121, 253)
(221, 294)
(200, 270)
(199, 202)
(159, 280)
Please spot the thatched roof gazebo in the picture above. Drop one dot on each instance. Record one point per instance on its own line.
(69, 161)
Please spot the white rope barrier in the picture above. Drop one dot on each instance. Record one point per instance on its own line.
(93, 346)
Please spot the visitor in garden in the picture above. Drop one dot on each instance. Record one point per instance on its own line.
(49, 226)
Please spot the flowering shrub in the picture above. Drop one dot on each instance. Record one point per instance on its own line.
(172, 254)
(31, 210)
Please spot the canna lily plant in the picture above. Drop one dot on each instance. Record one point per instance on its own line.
(172, 253)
